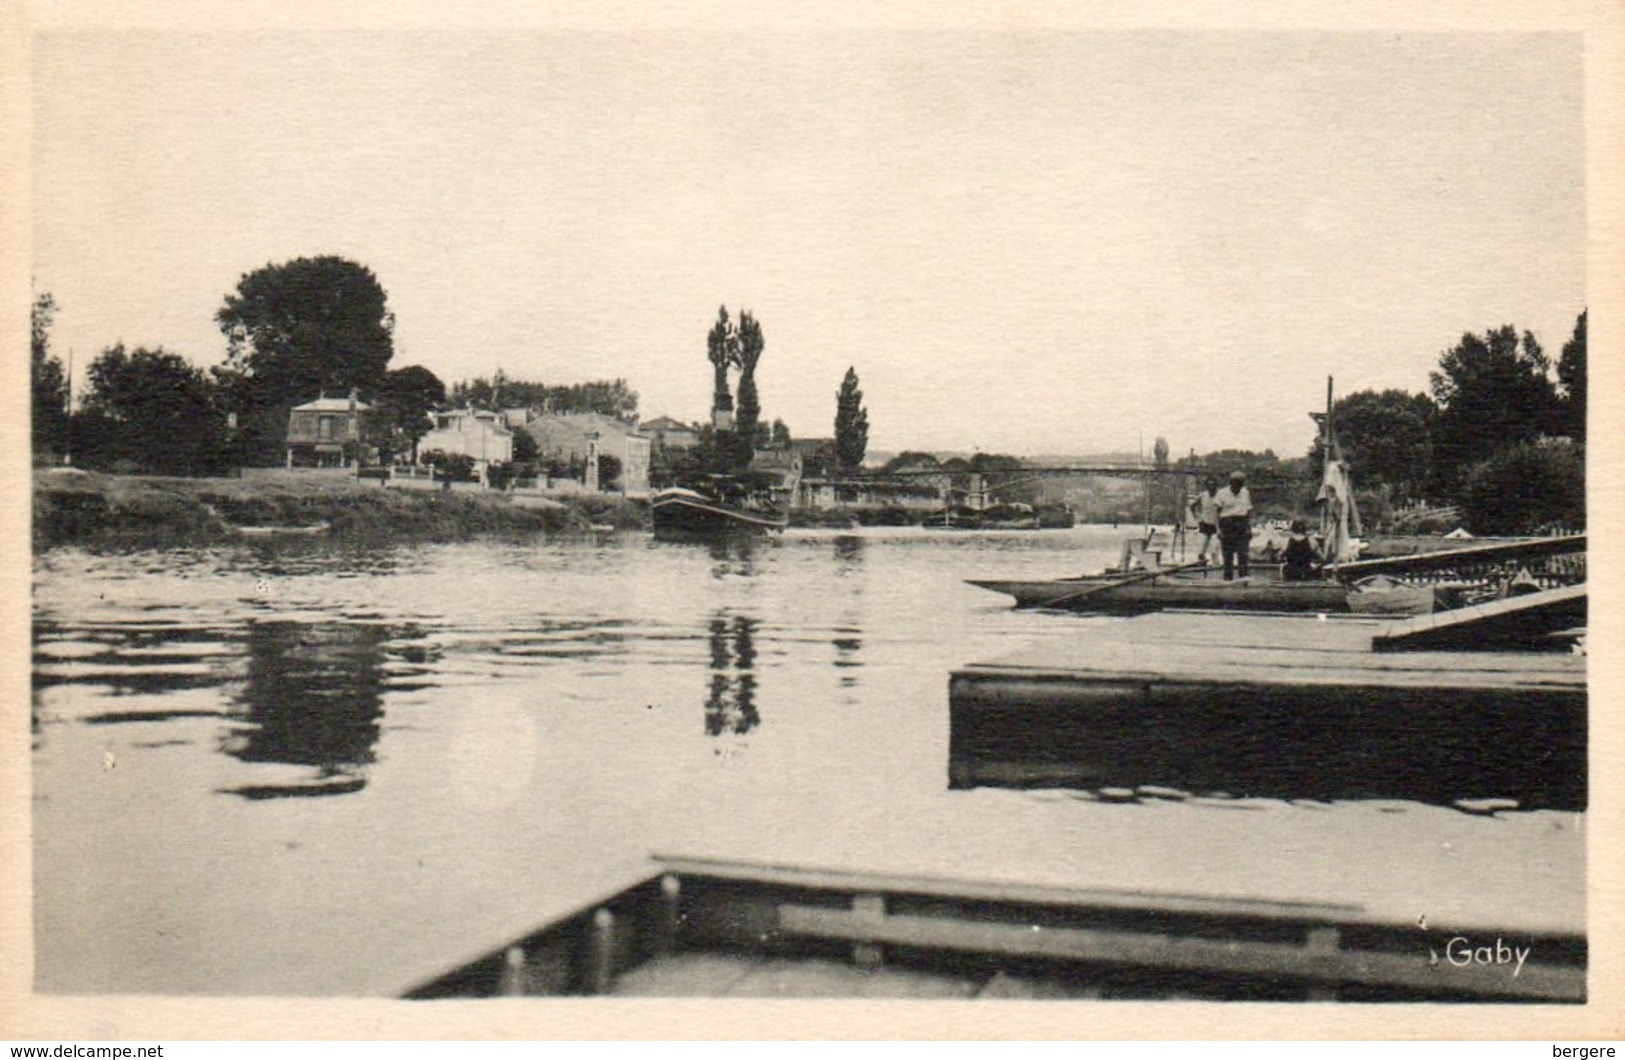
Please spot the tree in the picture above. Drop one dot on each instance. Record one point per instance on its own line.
(750, 343)
(1386, 437)
(1159, 454)
(525, 450)
(1005, 478)
(1526, 488)
(607, 397)
(722, 347)
(1571, 375)
(450, 467)
(1492, 392)
(851, 423)
(151, 410)
(1250, 463)
(609, 471)
(298, 329)
(780, 436)
(911, 460)
(49, 383)
(401, 411)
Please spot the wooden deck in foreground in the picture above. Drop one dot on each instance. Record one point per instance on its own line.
(1276, 706)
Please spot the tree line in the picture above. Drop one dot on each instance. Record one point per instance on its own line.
(1499, 436)
(294, 331)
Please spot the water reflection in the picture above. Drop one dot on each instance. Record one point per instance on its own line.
(848, 639)
(733, 554)
(313, 697)
(731, 705)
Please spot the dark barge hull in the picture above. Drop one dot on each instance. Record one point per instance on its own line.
(689, 516)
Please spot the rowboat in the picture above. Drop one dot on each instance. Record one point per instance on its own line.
(1380, 594)
(1151, 591)
(283, 531)
(708, 927)
(679, 511)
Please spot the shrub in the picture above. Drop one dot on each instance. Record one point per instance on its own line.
(1526, 488)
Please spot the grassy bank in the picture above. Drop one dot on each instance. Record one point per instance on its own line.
(97, 510)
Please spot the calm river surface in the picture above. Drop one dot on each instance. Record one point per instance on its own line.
(301, 769)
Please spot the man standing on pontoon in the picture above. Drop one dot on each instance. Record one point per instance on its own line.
(1235, 508)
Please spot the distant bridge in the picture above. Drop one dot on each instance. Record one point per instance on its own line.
(978, 487)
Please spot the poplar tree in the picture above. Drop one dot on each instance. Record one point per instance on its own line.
(851, 423)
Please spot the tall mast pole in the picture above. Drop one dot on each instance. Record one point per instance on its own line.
(1326, 430)
(67, 423)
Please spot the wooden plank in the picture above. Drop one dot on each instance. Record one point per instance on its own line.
(1191, 954)
(1283, 668)
(1288, 674)
(974, 890)
(1520, 550)
(1225, 650)
(1514, 617)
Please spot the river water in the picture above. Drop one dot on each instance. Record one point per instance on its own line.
(296, 768)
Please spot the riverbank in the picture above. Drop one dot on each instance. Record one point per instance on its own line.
(134, 511)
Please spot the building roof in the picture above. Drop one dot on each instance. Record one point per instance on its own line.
(589, 419)
(666, 423)
(332, 404)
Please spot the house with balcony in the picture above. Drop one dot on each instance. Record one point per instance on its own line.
(474, 433)
(325, 432)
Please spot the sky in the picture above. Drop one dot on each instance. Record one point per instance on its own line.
(1030, 241)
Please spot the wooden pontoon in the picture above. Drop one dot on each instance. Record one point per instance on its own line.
(1279, 706)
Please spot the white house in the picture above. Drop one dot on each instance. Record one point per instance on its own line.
(471, 432)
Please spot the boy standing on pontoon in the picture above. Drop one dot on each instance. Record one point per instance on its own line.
(1235, 509)
(1206, 509)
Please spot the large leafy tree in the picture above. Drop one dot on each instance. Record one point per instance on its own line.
(402, 406)
(851, 423)
(150, 410)
(298, 329)
(750, 344)
(49, 383)
(1571, 375)
(1492, 391)
(1386, 436)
